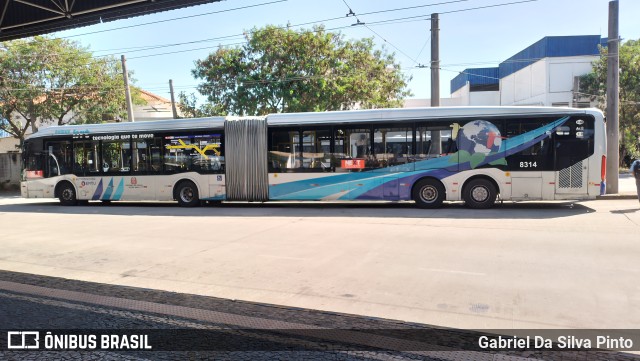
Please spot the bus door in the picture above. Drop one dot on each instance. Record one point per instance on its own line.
(573, 144)
(146, 163)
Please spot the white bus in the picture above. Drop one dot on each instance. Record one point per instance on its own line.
(428, 155)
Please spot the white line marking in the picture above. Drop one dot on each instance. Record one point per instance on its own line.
(283, 257)
(453, 271)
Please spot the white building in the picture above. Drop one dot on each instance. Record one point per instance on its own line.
(543, 74)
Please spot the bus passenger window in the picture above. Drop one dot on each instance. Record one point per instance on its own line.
(202, 153)
(353, 150)
(177, 157)
(85, 155)
(116, 156)
(284, 150)
(392, 146)
(434, 141)
(208, 156)
(141, 156)
(316, 150)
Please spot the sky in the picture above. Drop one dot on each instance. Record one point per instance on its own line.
(473, 33)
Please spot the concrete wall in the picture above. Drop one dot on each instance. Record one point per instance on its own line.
(8, 144)
(419, 103)
(10, 165)
(544, 82)
(475, 98)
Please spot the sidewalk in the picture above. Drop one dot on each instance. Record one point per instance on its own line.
(626, 188)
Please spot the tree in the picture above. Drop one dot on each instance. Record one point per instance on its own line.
(188, 104)
(45, 80)
(594, 85)
(282, 70)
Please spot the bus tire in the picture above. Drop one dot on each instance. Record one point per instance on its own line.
(479, 193)
(428, 193)
(187, 194)
(67, 194)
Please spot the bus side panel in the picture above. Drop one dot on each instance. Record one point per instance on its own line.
(116, 188)
(211, 187)
(216, 188)
(312, 186)
(39, 188)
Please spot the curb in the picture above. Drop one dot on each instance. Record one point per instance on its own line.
(616, 196)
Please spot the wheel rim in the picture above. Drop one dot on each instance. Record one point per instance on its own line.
(67, 194)
(480, 194)
(186, 194)
(428, 194)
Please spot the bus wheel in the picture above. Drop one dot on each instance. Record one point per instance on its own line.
(67, 194)
(187, 194)
(428, 193)
(479, 194)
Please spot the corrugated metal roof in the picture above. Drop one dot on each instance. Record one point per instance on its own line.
(475, 76)
(35, 17)
(551, 46)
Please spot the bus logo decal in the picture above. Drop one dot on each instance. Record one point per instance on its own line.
(98, 192)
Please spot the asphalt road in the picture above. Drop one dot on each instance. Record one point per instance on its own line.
(526, 265)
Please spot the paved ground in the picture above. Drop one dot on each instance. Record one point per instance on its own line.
(212, 328)
(528, 265)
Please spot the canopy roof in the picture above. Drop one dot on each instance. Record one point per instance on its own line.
(24, 18)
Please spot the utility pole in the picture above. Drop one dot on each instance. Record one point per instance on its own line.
(613, 85)
(173, 100)
(435, 60)
(127, 91)
(436, 142)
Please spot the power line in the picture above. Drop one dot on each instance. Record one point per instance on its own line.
(403, 19)
(389, 21)
(351, 13)
(179, 18)
(488, 6)
(412, 7)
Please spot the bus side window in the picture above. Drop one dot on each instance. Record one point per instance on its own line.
(85, 157)
(177, 154)
(316, 152)
(392, 146)
(434, 140)
(284, 150)
(116, 156)
(538, 156)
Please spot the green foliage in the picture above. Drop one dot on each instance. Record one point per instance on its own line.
(595, 85)
(189, 108)
(45, 80)
(282, 70)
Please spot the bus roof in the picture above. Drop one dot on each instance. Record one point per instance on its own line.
(131, 127)
(400, 114)
(332, 117)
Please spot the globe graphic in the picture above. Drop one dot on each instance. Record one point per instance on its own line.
(479, 136)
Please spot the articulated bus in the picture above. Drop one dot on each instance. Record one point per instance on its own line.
(426, 155)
